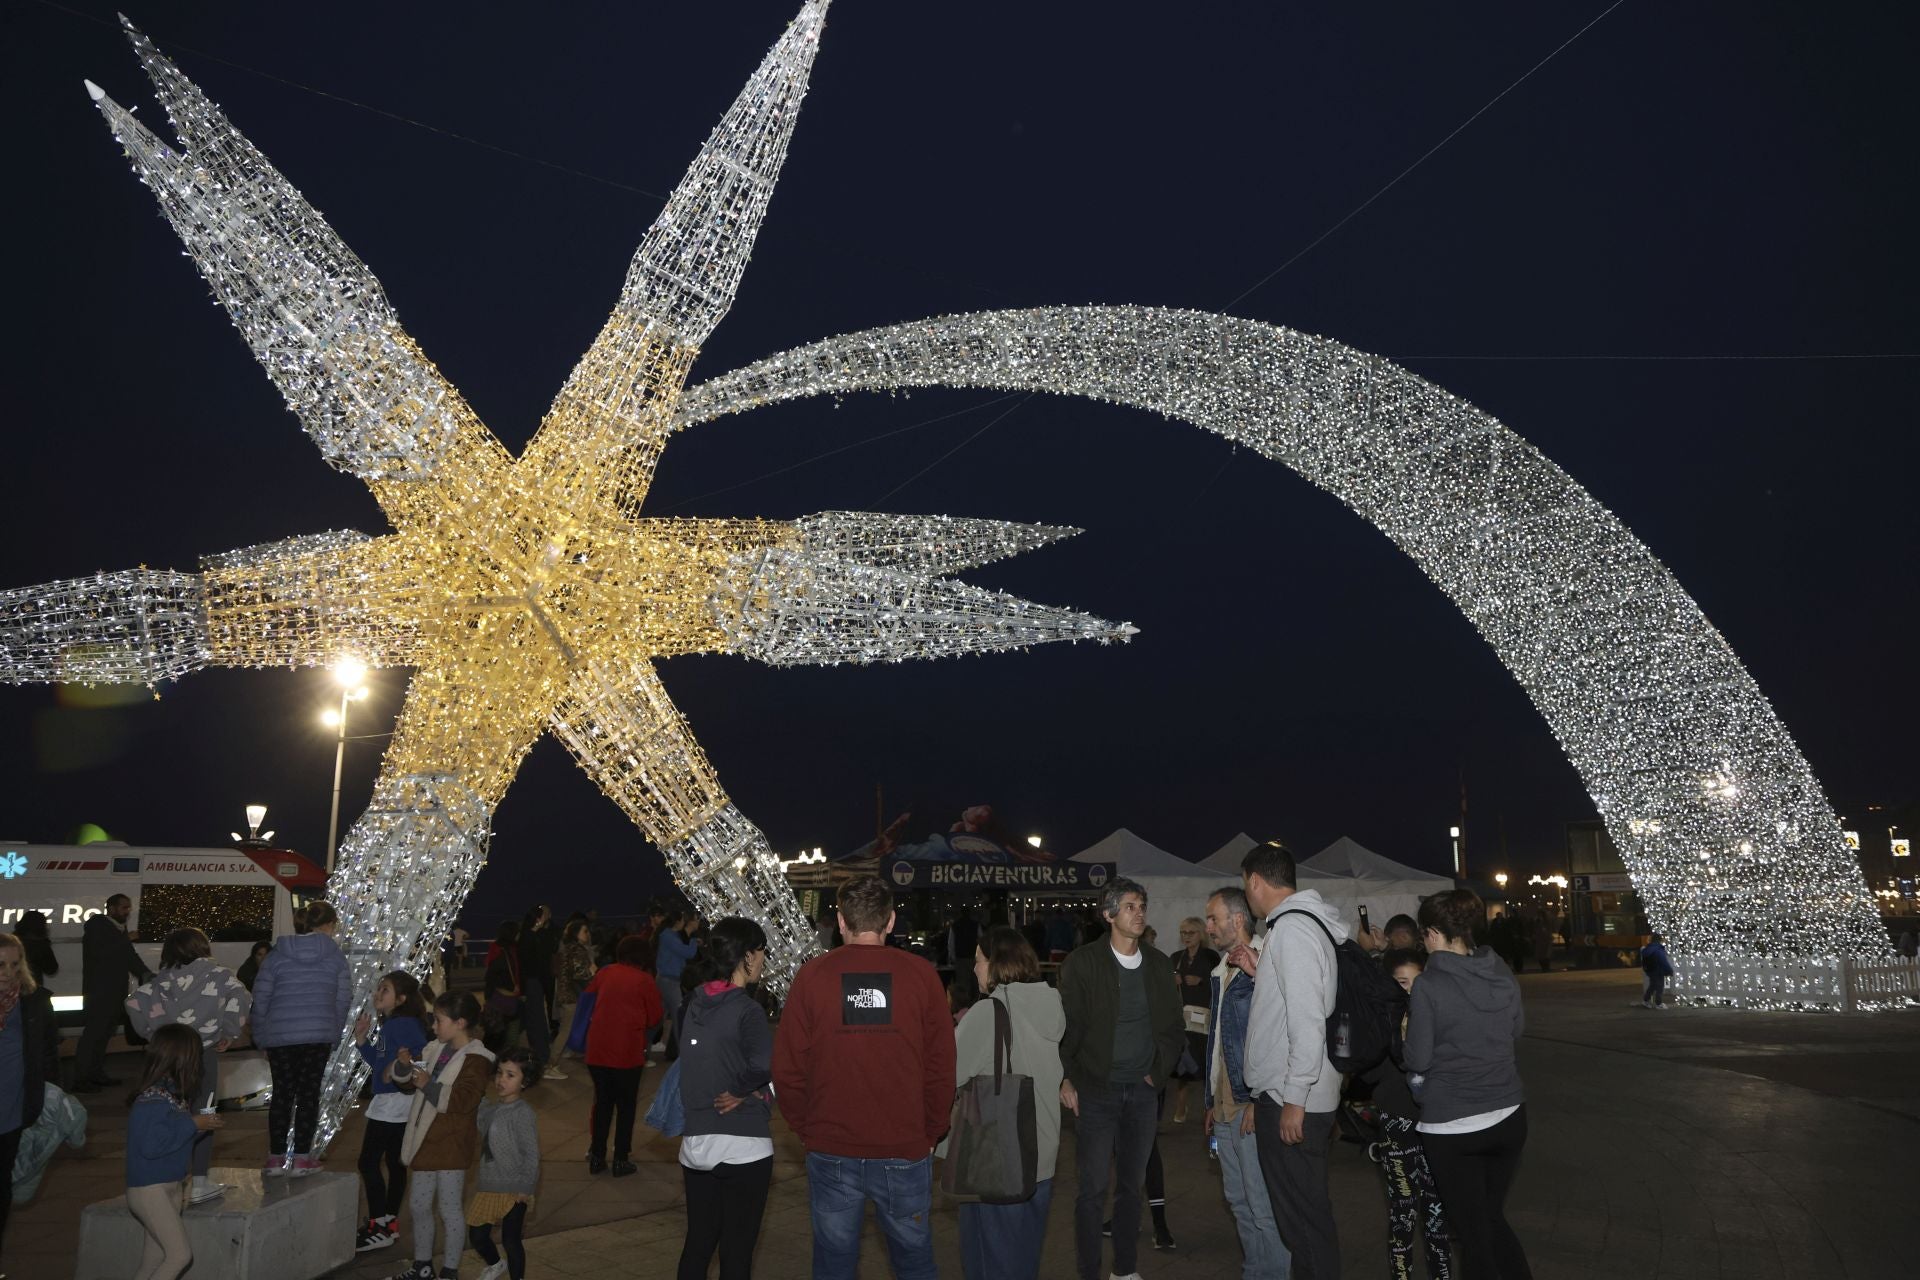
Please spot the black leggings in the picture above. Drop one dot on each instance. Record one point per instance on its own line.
(480, 1236)
(616, 1092)
(1472, 1172)
(724, 1208)
(386, 1190)
(296, 1069)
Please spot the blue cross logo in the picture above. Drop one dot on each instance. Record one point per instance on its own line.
(13, 865)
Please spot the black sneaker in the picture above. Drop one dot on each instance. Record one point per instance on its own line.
(621, 1168)
(596, 1164)
(1163, 1238)
(416, 1271)
(375, 1235)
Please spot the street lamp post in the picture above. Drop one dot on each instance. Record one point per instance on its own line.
(256, 814)
(349, 672)
(1459, 872)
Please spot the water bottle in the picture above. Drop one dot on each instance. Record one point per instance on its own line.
(1342, 1038)
(1213, 1146)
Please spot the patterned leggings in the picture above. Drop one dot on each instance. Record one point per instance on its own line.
(297, 1069)
(1412, 1202)
(446, 1189)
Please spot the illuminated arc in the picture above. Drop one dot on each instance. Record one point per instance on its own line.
(1720, 819)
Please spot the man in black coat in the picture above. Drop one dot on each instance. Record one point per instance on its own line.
(107, 960)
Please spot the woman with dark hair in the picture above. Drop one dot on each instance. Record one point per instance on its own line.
(539, 943)
(673, 947)
(29, 1058)
(1002, 1241)
(504, 994)
(1463, 1018)
(726, 1064)
(31, 929)
(250, 967)
(626, 1010)
(194, 991)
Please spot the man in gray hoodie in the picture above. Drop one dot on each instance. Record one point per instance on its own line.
(1295, 1088)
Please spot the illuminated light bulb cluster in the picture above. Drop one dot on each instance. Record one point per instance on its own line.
(530, 596)
(1731, 843)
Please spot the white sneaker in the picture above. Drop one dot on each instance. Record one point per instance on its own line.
(553, 1073)
(204, 1190)
(495, 1271)
(1131, 1275)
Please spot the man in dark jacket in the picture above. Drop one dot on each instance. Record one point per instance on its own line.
(107, 960)
(1124, 1035)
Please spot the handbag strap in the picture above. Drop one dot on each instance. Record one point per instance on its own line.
(1002, 1039)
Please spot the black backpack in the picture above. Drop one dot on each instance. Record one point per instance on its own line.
(1367, 1005)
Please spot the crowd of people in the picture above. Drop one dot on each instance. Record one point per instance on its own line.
(1253, 1020)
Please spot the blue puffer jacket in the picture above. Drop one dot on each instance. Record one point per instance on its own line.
(303, 992)
(1230, 1020)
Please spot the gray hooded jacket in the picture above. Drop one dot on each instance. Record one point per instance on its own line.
(1462, 1022)
(1293, 992)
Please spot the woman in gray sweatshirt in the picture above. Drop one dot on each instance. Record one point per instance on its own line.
(726, 1079)
(1463, 1018)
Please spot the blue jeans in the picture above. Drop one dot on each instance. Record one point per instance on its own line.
(1002, 1241)
(1266, 1258)
(1113, 1138)
(838, 1188)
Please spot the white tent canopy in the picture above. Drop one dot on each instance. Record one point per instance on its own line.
(1350, 875)
(1226, 859)
(1175, 887)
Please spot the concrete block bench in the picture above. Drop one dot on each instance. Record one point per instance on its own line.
(286, 1228)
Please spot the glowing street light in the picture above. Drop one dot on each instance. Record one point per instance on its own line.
(256, 814)
(1034, 841)
(1500, 878)
(1453, 833)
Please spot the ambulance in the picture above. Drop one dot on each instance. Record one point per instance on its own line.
(236, 896)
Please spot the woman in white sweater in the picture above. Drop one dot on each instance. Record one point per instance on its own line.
(1002, 1241)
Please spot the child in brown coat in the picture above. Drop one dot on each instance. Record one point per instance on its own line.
(442, 1134)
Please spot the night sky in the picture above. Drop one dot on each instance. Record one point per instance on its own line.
(1682, 180)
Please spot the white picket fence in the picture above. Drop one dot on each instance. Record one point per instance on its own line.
(1840, 985)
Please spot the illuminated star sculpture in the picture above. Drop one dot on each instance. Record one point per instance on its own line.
(530, 594)
(526, 593)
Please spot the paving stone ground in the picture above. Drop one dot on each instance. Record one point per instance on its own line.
(1686, 1143)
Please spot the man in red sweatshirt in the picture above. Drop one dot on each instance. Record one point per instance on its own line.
(863, 1070)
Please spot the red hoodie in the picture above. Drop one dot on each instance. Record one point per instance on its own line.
(626, 1010)
(863, 1061)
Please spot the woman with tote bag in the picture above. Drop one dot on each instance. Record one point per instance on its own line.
(1002, 1241)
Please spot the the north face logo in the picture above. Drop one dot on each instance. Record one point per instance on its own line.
(866, 999)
